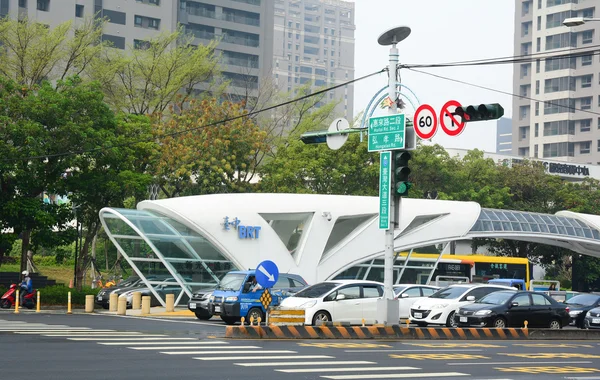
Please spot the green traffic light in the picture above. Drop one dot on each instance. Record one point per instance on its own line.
(402, 188)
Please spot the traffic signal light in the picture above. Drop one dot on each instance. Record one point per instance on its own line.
(314, 137)
(401, 172)
(480, 112)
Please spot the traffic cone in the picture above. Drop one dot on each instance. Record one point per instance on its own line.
(71, 284)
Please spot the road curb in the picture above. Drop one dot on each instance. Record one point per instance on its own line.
(374, 332)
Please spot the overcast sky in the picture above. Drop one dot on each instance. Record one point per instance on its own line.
(442, 31)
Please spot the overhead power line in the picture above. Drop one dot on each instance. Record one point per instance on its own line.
(222, 121)
(504, 92)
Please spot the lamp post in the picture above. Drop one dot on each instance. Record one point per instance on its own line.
(576, 21)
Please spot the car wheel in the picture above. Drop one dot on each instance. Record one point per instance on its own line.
(203, 315)
(254, 314)
(229, 320)
(555, 324)
(450, 322)
(105, 306)
(421, 324)
(499, 323)
(322, 316)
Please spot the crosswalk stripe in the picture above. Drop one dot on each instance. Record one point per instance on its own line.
(195, 348)
(270, 364)
(106, 334)
(345, 369)
(145, 343)
(267, 357)
(130, 339)
(395, 375)
(74, 332)
(228, 352)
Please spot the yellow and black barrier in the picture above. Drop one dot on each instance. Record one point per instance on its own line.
(287, 317)
(372, 332)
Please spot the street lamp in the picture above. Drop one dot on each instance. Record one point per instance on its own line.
(576, 21)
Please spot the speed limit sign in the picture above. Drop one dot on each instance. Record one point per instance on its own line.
(425, 122)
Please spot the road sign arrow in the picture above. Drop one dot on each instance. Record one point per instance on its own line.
(266, 273)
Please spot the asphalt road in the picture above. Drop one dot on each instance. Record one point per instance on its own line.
(59, 346)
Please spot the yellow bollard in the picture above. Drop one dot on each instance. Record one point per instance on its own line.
(170, 298)
(122, 306)
(112, 302)
(407, 322)
(89, 303)
(251, 321)
(37, 307)
(145, 305)
(363, 322)
(136, 302)
(242, 320)
(69, 304)
(258, 321)
(526, 323)
(17, 303)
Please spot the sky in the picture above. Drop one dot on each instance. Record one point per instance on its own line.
(442, 31)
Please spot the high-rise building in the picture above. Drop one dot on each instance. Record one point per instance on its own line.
(312, 39)
(314, 42)
(561, 122)
(504, 136)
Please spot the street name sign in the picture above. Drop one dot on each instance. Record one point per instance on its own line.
(387, 132)
(385, 170)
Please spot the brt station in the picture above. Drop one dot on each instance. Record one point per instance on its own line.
(192, 242)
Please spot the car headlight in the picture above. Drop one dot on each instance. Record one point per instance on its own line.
(231, 299)
(588, 314)
(308, 304)
(575, 313)
(212, 298)
(483, 312)
(440, 306)
(207, 296)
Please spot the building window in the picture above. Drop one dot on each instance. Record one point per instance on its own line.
(141, 44)
(585, 147)
(586, 60)
(22, 3)
(525, 70)
(559, 128)
(586, 103)
(538, 44)
(563, 149)
(523, 133)
(147, 22)
(539, 23)
(598, 145)
(523, 111)
(535, 151)
(587, 36)
(585, 125)
(537, 129)
(586, 81)
(537, 66)
(537, 108)
(43, 5)
(525, 8)
(78, 10)
(587, 13)
(116, 42)
(537, 87)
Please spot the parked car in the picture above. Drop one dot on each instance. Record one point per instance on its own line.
(199, 303)
(103, 296)
(579, 306)
(516, 283)
(337, 300)
(512, 308)
(592, 319)
(441, 306)
(408, 294)
(232, 299)
(167, 286)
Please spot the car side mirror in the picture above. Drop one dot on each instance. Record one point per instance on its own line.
(404, 295)
(340, 297)
(514, 304)
(470, 298)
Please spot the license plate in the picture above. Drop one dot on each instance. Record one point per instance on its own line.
(217, 309)
(418, 315)
(99, 298)
(596, 321)
(463, 319)
(192, 305)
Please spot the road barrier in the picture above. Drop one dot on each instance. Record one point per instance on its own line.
(371, 332)
(122, 306)
(136, 302)
(279, 317)
(145, 305)
(112, 302)
(37, 303)
(89, 303)
(170, 303)
(69, 309)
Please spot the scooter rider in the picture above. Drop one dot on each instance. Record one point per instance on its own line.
(26, 286)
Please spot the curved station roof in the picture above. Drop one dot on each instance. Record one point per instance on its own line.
(188, 243)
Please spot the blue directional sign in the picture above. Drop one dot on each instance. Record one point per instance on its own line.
(267, 274)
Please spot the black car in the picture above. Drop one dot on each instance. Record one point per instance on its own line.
(511, 309)
(103, 296)
(199, 303)
(579, 305)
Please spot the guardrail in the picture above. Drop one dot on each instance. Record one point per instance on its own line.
(280, 317)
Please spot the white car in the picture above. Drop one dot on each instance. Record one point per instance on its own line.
(440, 307)
(337, 300)
(408, 294)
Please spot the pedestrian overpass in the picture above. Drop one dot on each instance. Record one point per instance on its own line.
(193, 241)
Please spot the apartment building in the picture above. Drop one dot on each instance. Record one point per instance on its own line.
(504, 136)
(314, 42)
(560, 121)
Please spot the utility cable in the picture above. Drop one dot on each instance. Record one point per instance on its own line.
(503, 92)
(226, 120)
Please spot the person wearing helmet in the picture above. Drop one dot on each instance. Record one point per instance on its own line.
(26, 286)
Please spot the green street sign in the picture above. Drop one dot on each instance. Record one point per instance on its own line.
(386, 132)
(385, 170)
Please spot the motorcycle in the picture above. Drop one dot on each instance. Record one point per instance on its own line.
(8, 299)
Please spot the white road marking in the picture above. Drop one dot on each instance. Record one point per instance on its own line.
(583, 378)
(269, 364)
(133, 339)
(395, 375)
(195, 348)
(513, 363)
(66, 331)
(345, 369)
(288, 357)
(106, 335)
(147, 343)
(250, 352)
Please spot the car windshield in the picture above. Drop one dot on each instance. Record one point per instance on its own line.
(398, 289)
(496, 298)
(583, 299)
(317, 290)
(232, 281)
(449, 293)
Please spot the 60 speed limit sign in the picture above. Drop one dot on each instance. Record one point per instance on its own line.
(425, 122)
